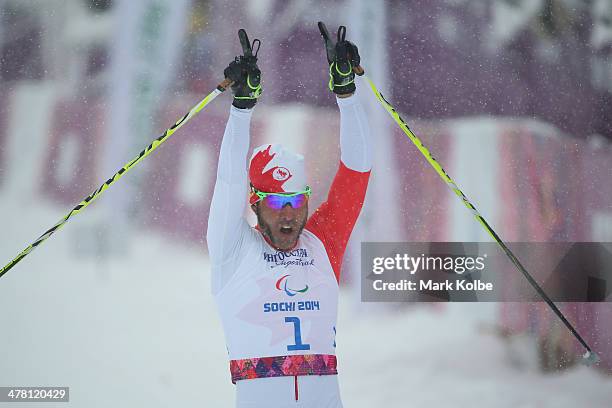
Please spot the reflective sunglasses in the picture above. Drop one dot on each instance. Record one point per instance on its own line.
(277, 201)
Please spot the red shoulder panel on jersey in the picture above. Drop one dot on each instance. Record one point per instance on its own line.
(334, 220)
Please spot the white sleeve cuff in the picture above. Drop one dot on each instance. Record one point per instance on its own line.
(241, 113)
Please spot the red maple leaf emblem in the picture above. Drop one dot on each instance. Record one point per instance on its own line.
(265, 181)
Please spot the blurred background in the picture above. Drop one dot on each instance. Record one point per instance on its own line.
(513, 97)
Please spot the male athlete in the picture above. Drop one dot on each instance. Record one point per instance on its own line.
(276, 285)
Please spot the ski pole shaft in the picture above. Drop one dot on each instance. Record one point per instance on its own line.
(589, 356)
(96, 193)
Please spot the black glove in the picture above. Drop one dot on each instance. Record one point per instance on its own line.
(342, 57)
(245, 74)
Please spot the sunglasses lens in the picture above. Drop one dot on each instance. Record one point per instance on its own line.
(298, 200)
(276, 202)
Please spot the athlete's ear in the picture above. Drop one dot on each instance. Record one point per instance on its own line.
(254, 207)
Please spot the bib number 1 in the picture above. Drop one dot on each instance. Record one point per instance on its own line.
(297, 334)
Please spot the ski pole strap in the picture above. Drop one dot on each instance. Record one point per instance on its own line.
(96, 193)
(589, 356)
(281, 366)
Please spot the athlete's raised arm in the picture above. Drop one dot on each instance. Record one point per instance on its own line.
(226, 225)
(333, 221)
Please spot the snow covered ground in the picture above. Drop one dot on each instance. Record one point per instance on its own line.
(140, 329)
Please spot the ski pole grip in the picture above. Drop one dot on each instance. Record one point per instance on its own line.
(225, 84)
(359, 70)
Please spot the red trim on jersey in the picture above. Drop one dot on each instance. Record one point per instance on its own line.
(334, 220)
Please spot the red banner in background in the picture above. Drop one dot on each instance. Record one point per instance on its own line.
(71, 161)
(424, 195)
(540, 179)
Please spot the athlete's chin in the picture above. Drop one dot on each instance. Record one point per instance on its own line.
(284, 241)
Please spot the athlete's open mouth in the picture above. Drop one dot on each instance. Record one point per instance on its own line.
(286, 229)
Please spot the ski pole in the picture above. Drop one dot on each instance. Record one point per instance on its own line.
(589, 356)
(96, 193)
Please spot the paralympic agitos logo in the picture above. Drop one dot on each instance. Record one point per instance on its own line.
(283, 284)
